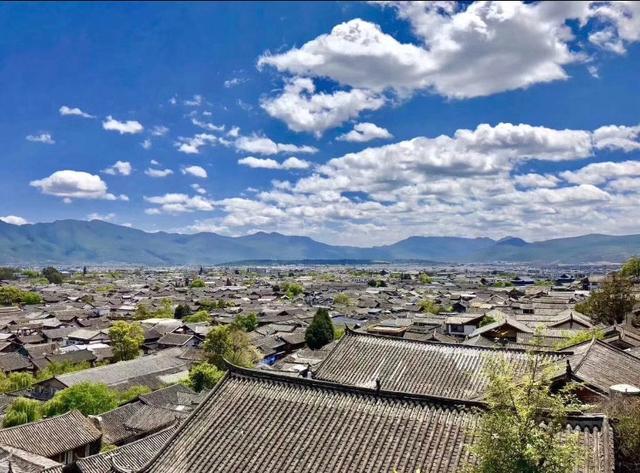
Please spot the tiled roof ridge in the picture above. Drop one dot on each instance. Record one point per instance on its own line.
(72, 412)
(350, 331)
(240, 372)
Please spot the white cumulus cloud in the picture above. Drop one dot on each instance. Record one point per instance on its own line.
(70, 184)
(264, 145)
(151, 172)
(74, 111)
(196, 171)
(127, 127)
(119, 168)
(365, 131)
(45, 138)
(13, 220)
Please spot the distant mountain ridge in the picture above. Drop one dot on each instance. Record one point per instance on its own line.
(98, 242)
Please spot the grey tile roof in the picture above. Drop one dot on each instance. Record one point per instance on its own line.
(127, 458)
(14, 362)
(258, 422)
(123, 371)
(52, 436)
(439, 369)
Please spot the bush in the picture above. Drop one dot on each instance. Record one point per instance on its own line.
(53, 275)
(292, 290)
(12, 295)
(425, 278)
(248, 322)
(182, 310)
(342, 299)
(428, 305)
(228, 342)
(133, 393)
(88, 398)
(22, 411)
(197, 283)
(204, 376)
(126, 340)
(200, 316)
(7, 273)
(320, 331)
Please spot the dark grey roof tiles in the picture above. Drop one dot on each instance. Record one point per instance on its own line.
(417, 367)
(257, 422)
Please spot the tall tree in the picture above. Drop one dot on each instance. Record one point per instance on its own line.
(88, 398)
(320, 331)
(631, 268)
(53, 275)
(524, 428)
(204, 376)
(126, 340)
(228, 342)
(611, 303)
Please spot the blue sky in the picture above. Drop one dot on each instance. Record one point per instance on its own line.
(349, 122)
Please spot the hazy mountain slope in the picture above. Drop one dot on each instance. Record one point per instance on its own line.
(81, 242)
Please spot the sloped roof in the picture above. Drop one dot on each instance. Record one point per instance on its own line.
(128, 457)
(52, 436)
(125, 370)
(254, 421)
(417, 367)
(601, 365)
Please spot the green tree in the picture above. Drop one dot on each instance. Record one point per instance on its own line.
(197, 283)
(611, 303)
(580, 337)
(248, 322)
(625, 411)
(228, 342)
(486, 320)
(53, 275)
(631, 268)
(88, 398)
(200, 316)
(12, 295)
(7, 273)
(21, 411)
(182, 310)
(430, 306)
(425, 278)
(132, 393)
(511, 437)
(56, 369)
(126, 340)
(292, 290)
(320, 331)
(204, 376)
(342, 299)
(16, 382)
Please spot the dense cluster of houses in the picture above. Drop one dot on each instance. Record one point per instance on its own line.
(400, 390)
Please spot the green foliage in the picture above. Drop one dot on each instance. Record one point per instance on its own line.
(31, 274)
(582, 336)
(248, 322)
(200, 316)
(424, 278)
(197, 283)
(204, 376)
(164, 312)
(228, 342)
(320, 331)
(611, 303)
(292, 290)
(631, 269)
(182, 310)
(88, 398)
(502, 284)
(13, 295)
(106, 288)
(486, 320)
(53, 275)
(625, 411)
(132, 393)
(21, 411)
(108, 447)
(342, 299)
(511, 437)
(430, 306)
(338, 332)
(15, 382)
(544, 283)
(126, 340)
(215, 304)
(8, 273)
(376, 283)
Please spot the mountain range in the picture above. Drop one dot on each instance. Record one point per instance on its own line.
(71, 242)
